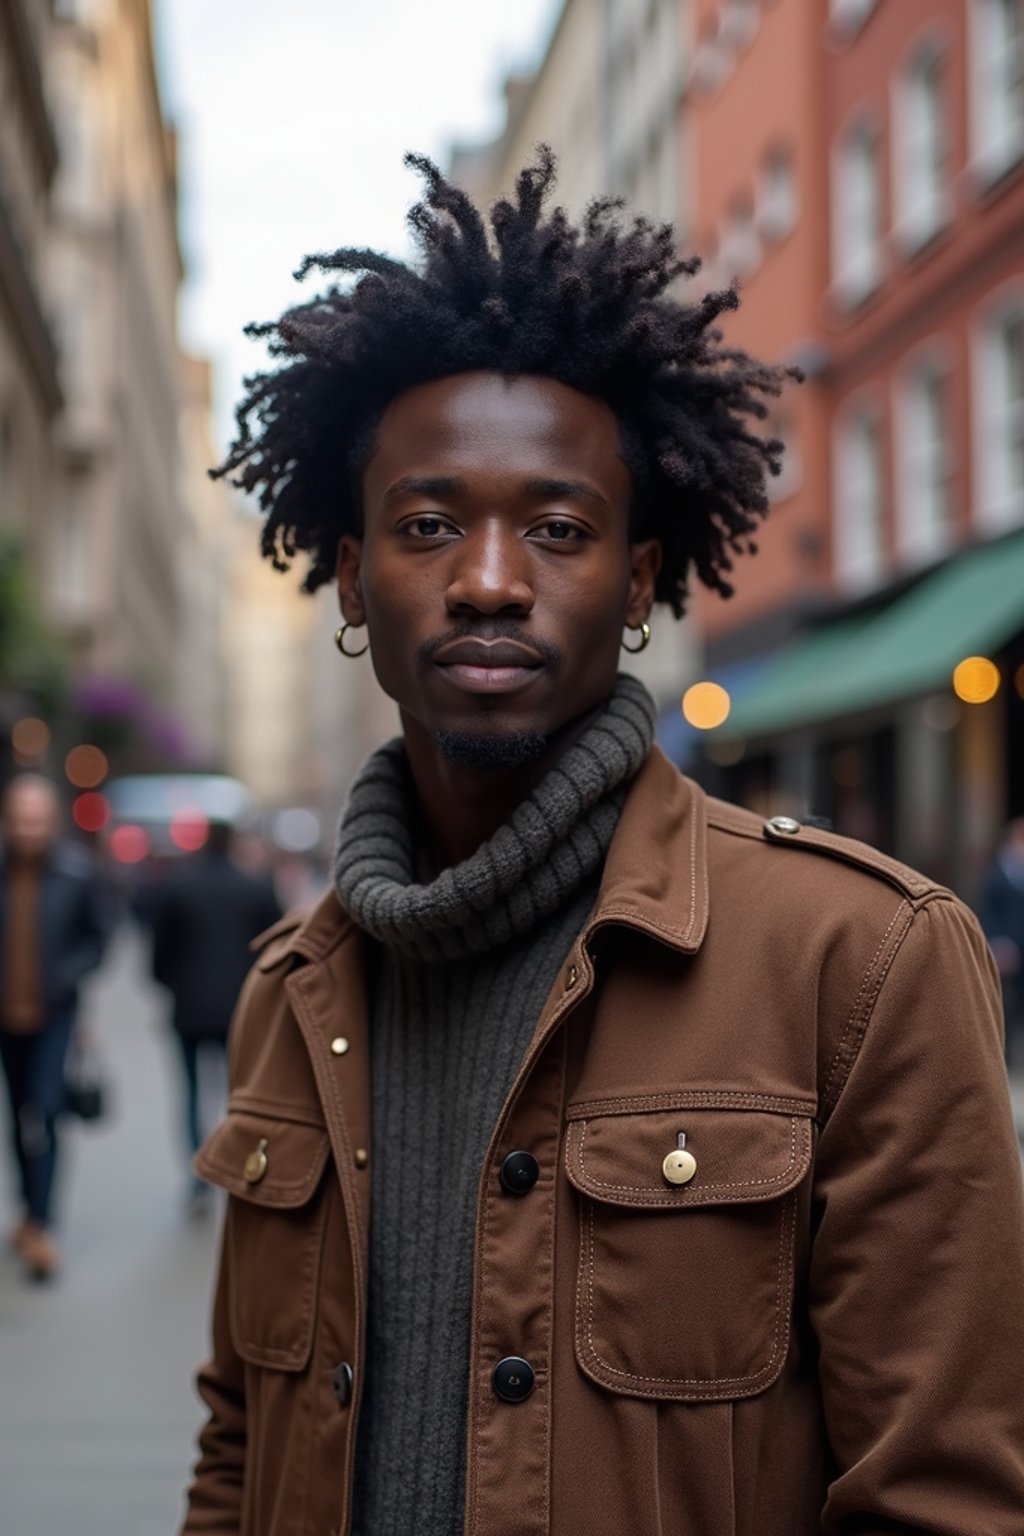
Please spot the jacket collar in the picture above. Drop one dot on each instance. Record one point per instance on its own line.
(655, 876)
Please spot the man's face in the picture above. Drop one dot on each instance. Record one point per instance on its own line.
(495, 572)
(30, 818)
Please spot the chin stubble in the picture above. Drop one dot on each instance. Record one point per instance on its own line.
(490, 749)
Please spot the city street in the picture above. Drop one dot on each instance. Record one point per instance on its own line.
(97, 1408)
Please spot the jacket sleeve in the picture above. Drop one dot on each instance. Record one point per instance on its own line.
(215, 1495)
(917, 1268)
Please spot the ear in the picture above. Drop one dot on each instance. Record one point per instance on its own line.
(645, 563)
(350, 554)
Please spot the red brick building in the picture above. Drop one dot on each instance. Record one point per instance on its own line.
(859, 164)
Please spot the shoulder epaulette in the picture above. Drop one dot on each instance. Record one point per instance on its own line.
(787, 831)
(273, 943)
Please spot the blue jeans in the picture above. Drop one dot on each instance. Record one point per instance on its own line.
(190, 1052)
(34, 1072)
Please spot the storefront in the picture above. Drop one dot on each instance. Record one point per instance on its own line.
(858, 719)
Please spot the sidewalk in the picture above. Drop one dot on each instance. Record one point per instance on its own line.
(97, 1411)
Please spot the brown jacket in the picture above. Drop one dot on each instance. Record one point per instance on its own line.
(822, 1332)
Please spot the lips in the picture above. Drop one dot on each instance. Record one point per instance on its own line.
(481, 666)
(487, 654)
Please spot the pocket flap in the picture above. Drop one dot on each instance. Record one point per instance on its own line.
(273, 1163)
(615, 1151)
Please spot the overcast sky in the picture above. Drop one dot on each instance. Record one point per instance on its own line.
(294, 118)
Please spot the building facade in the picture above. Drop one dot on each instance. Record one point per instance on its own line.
(114, 273)
(30, 390)
(900, 550)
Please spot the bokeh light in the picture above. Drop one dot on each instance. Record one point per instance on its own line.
(30, 738)
(129, 844)
(706, 705)
(297, 829)
(86, 766)
(976, 680)
(189, 829)
(91, 811)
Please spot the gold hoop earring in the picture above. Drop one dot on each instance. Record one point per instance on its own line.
(645, 640)
(339, 640)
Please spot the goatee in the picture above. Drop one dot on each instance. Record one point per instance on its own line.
(491, 749)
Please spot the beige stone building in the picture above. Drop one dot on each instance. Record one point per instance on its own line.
(300, 718)
(207, 531)
(114, 272)
(30, 393)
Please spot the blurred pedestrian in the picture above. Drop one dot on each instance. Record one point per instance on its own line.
(204, 915)
(1001, 909)
(53, 921)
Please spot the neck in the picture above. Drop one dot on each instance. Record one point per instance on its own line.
(459, 808)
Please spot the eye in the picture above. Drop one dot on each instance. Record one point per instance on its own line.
(427, 526)
(558, 531)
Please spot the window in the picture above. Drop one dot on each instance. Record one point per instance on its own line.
(920, 149)
(858, 498)
(737, 22)
(848, 15)
(924, 506)
(739, 253)
(856, 211)
(999, 417)
(777, 205)
(997, 84)
(71, 557)
(786, 484)
(78, 164)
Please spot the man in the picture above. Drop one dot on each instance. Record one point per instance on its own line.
(204, 914)
(601, 1159)
(1001, 909)
(53, 923)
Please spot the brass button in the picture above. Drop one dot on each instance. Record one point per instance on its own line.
(339, 1045)
(361, 1157)
(784, 826)
(572, 978)
(256, 1163)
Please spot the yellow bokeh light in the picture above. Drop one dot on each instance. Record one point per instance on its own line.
(29, 738)
(976, 680)
(86, 767)
(706, 705)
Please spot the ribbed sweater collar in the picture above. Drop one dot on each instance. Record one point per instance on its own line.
(555, 840)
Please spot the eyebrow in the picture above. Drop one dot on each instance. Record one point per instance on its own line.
(564, 490)
(537, 489)
(425, 485)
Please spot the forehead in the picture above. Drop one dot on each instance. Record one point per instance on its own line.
(487, 423)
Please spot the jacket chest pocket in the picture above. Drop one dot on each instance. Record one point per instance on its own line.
(684, 1289)
(273, 1170)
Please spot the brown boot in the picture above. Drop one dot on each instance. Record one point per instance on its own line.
(39, 1253)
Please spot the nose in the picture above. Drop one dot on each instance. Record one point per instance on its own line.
(491, 573)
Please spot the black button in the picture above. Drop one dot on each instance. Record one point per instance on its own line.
(512, 1379)
(519, 1173)
(341, 1381)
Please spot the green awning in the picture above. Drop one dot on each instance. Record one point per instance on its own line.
(970, 607)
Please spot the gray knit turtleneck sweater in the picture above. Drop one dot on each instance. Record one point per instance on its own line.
(460, 973)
